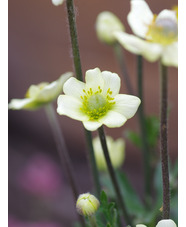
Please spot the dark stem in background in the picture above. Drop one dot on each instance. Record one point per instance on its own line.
(141, 115)
(121, 60)
(62, 151)
(163, 143)
(113, 176)
(78, 70)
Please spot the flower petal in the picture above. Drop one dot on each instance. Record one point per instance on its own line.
(150, 51)
(167, 14)
(52, 90)
(74, 87)
(126, 105)
(28, 104)
(57, 2)
(140, 17)
(94, 79)
(91, 125)
(166, 223)
(141, 225)
(170, 55)
(112, 81)
(70, 106)
(113, 119)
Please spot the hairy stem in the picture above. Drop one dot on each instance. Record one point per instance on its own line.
(164, 142)
(113, 176)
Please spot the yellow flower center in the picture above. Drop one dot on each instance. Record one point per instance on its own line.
(163, 31)
(95, 104)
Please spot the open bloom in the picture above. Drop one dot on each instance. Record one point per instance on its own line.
(57, 2)
(162, 223)
(97, 101)
(41, 94)
(116, 150)
(106, 24)
(87, 204)
(156, 35)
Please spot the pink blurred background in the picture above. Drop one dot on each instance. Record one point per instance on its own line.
(39, 50)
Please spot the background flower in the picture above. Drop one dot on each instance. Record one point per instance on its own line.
(97, 101)
(57, 2)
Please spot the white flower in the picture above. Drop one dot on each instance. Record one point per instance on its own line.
(106, 24)
(156, 36)
(116, 151)
(57, 2)
(41, 94)
(87, 204)
(166, 223)
(97, 101)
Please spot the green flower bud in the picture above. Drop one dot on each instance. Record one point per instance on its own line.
(116, 150)
(106, 24)
(87, 204)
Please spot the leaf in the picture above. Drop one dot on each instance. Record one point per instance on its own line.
(134, 138)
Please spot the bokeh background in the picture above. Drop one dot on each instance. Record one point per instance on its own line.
(39, 50)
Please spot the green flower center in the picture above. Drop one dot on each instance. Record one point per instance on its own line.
(163, 31)
(95, 104)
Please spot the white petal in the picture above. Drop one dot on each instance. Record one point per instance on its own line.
(18, 104)
(54, 89)
(167, 14)
(112, 81)
(91, 125)
(150, 51)
(140, 17)
(69, 106)
(126, 105)
(166, 223)
(170, 55)
(94, 79)
(74, 87)
(113, 119)
(141, 225)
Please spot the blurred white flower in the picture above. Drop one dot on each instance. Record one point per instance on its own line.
(156, 35)
(116, 150)
(106, 24)
(97, 101)
(41, 94)
(57, 2)
(166, 223)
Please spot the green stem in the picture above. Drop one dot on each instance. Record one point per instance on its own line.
(92, 221)
(163, 142)
(121, 60)
(141, 115)
(62, 151)
(113, 176)
(78, 70)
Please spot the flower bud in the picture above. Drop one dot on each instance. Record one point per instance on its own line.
(116, 151)
(106, 24)
(166, 223)
(87, 204)
(57, 2)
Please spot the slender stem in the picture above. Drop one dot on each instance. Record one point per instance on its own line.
(92, 221)
(163, 141)
(74, 39)
(62, 151)
(141, 115)
(113, 176)
(121, 60)
(78, 70)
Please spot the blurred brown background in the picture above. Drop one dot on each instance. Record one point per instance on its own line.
(39, 50)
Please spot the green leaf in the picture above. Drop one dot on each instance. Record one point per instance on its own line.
(134, 138)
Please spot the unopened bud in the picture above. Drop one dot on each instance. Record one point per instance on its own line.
(106, 24)
(87, 204)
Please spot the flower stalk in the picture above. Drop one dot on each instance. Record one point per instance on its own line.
(120, 58)
(113, 176)
(78, 70)
(145, 147)
(92, 221)
(164, 142)
(62, 151)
